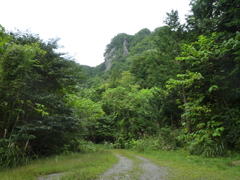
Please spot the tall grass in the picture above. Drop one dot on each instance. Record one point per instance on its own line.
(209, 148)
(75, 166)
(13, 157)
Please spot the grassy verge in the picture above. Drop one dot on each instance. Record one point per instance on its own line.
(181, 165)
(76, 166)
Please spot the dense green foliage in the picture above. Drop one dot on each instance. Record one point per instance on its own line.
(176, 86)
(181, 77)
(40, 110)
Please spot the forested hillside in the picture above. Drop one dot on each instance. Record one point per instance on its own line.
(178, 86)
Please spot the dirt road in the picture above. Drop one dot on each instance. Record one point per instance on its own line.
(132, 167)
(139, 169)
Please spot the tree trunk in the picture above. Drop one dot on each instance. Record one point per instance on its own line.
(172, 123)
(189, 127)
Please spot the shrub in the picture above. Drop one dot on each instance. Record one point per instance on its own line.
(209, 148)
(13, 156)
(165, 140)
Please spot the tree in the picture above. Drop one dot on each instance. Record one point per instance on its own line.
(206, 108)
(34, 81)
(214, 16)
(86, 112)
(172, 20)
(127, 79)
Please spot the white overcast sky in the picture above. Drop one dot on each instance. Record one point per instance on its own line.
(85, 27)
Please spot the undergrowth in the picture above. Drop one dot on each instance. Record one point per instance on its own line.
(74, 166)
(13, 157)
(165, 140)
(209, 148)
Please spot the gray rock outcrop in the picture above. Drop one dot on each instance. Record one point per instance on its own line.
(125, 50)
(109, 57)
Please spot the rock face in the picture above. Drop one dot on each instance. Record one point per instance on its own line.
(109, 57)
(112, 54)
(125, 50)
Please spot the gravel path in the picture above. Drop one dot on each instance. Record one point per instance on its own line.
(151, 171)
(126, 169)
(118, 171)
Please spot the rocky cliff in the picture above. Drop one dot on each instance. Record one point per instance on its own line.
(124, 45)
(109, 56)
(113, 52)
(120, 53)
(125, 50)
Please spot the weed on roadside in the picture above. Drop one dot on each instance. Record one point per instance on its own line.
(76, 166)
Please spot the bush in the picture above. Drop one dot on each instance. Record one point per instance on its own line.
(165, 140)
(209, 148)
(148, 143)
(86, 146)
(13, 156)
(108, 145)
(121, 143)
(82, 146)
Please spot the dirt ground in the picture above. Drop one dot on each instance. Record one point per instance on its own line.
(126, 169)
